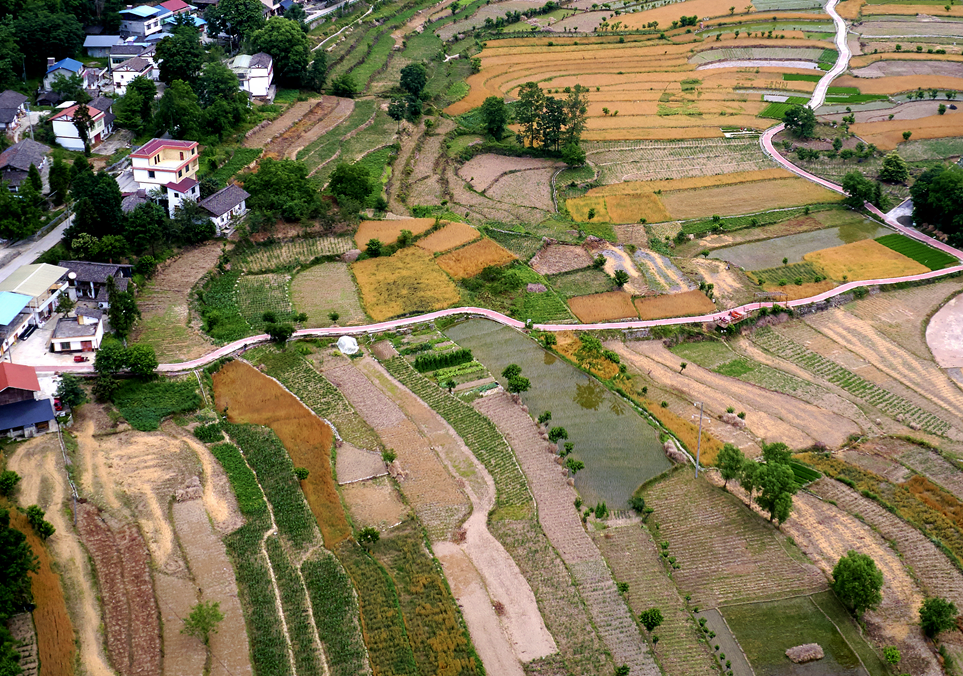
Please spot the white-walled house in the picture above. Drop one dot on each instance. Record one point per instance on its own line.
(65, 67)
(160, 162)
(142, 21)
(12, 106)
(82, 333)
(185, 189)
(42, 284)
(226, 207)
(255, 73)
(67, 134)
(128, 70)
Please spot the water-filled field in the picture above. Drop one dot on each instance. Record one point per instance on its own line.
(769, 253)
(619, 448)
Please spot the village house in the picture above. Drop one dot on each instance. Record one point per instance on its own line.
(42, 284)
(87, 282)
(226, 207)
(128, 70)
(22, 413)
(81, 333)
(12, 106)
(14, 319)
(98, 46)
(65, 67)
(160, 162)
(67, 134)
(142, 21)
(106, 106)
(15, 162)
(255, 73)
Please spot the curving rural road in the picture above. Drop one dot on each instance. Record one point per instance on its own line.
(818, 97)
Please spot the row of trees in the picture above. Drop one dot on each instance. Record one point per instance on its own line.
(548, 121)
(771, 483)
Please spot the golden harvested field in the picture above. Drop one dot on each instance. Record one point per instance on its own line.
(450, 236)
(633, 208)
(602, 307)
(746, 198)
(850, 9)
(866, 259)
(635, 187)
(640, 83)
(668, 13)
(887, 134)
(579, 207)
(866, 59)
(472, 259)
(388, 231)
(913, 10)
(408, 281)
(686, 431)
(795, 292)
(690, 303)
(324, 288)
(896, 84)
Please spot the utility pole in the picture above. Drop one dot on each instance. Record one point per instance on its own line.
(699, 443)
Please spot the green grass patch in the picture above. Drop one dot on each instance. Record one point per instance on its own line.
(145, 404)
(801, 77)
(789, 274)
(735, 368)
(582, 282)
(522, 245)
(218, 306)
(803, 473)
(240, 158)
(257, 294)
(776, 111)
(932, 258)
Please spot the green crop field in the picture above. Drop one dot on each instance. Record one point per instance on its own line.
(257, 294)
(932, 258)
(788, 274)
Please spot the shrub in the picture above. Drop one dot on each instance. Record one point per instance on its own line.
(556, 434)
(651, 618)
(8, 481)
(301, 473)
(937, 615)
(209, 434)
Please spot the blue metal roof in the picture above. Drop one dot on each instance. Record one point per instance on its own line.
(24, 413)
(143, 11)
(67, 64)
(102, 40)
(198, 21)
(10, 306)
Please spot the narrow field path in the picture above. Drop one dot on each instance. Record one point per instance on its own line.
(560, 521)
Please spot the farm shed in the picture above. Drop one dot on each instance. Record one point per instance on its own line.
(27, 418)
(17, 383)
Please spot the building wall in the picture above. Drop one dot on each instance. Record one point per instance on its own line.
(12, 395)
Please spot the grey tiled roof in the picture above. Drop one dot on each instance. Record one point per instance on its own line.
(260, 60)
(224, 200)
(71, 328)
(21, 155)
(95, 272)
(12, 99)
(101, 103)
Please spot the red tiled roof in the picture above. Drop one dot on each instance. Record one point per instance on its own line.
(174, 5)
(68, 113)
(183, 185)
(152, 146)
(18, 377)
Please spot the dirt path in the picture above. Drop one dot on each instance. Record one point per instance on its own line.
(39, 461)
(561, 523)
(483, 569)
(771, 416)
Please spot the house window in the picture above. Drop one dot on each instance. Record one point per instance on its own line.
(150, 174)
(182, 156)
(179, 172)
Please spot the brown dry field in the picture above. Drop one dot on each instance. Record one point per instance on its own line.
(770, 416)
(39, 463)
(691, 183)
(451, 236)
(55, 631)
(866, 259)
(278, 125)
(850, 9)
(674, 305)
(553, 259)
(530, 188)
(746, 198)
(731, 286)
(897, 84)
(482, 171)
(408, 281)
(213, 573)
(600, 307)
(913, 10)
(794, 291)
(887, 134)
(472, 259)
(183, 655)
(252, 397)
(121, 562)
(389, 231)
(356, 464)
(324, 288)
(164, 306)
(888, 65)
(668, 13)
(374, 503)
(322, 118)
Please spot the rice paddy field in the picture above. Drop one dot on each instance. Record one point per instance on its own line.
(408, 281)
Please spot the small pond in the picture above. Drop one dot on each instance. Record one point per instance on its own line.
(619, 448)
(769, 253)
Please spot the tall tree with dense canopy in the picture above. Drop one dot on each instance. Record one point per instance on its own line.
(730, 462)
(288, 45)
(414, 77)
(894, 169)
(238, 19)
(858, 582)
(178, 112)
(317, 73)
(351, 181)
(181, 55)
(495, 113)
(938, 200)
(937, 615)
(576, 113)
(70, 88)
(859, 190)
(41, 34)
(281, 189)
(59, 179)
(123, 311)
(83, 122)
(800, 120)
(11, 58)
(528, 110)
(552, 123)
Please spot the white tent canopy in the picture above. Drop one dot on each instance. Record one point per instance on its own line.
(347, 345)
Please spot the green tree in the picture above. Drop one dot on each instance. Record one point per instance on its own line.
(128, 110)
(302, 473)
(178, 112)
(374, 248)
(203, 620)
(10, 58)
(776, 453)
(59, 178)
(859, 189)
(281, 189)
(344, 86)
(528, 110)
(730, 462)
(181, 56)
(857, 582)
(111, 358)
(574, 466)
(368, 535)
(621, 278)
(576, 114)
(396, 110)
(518, 384)
(557, 433)
(217, 82)
(552, 123)
(280, 333)
(894, 169)
(800, 120)
(70, 88)
(414, 77)
(83, 122)
(19, 218)
(145, 227)
(16, 562)
(937, 615)
(651, 618)
(238, 19)
(147, 89)
(35, 516)
(41, 34)
(590, 351)
(777, 484)
(33, 175)
(8, 482)
(748, 479)
(123, 312)
(573, 155)
(288, 45)
(352, 181)
(70, 392)
(317, 73)
(141, 360)
(495, 114)
(297, 14)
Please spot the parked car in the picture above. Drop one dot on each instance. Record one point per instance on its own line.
(58, 405)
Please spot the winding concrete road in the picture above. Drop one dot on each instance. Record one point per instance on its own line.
(842, 61)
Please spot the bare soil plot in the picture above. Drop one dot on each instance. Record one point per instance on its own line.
(214, 575)
(389, 231)
(674, 305)
(374, 503)
(888, 68)
(166, 323)
(616, 259)
(472, 259)
(530, 188)
(430, 489)
(481, 208)
(935, 573)
(633, 557)
(601, 307)
(356, 464)
(770, 415)
(865, 458)
(731, 286)
(326, 288)
(451, 236)
(482, 171)
(121, 562)
(35, 460)
(408, 281)
(553, 259)
(944, 334)
(321, 119)
(279, 125)
(661, 274)
(557, 515)
(183, 655)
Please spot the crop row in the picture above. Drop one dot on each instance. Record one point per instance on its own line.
(218, 306)
(336, 615)
(438, 360)
(438, 636)
(307, 659)
(248, 493)
(478, 433)
(257, 294)
(886, 401)
(292, 254)
(442, 375)
(275, 473)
